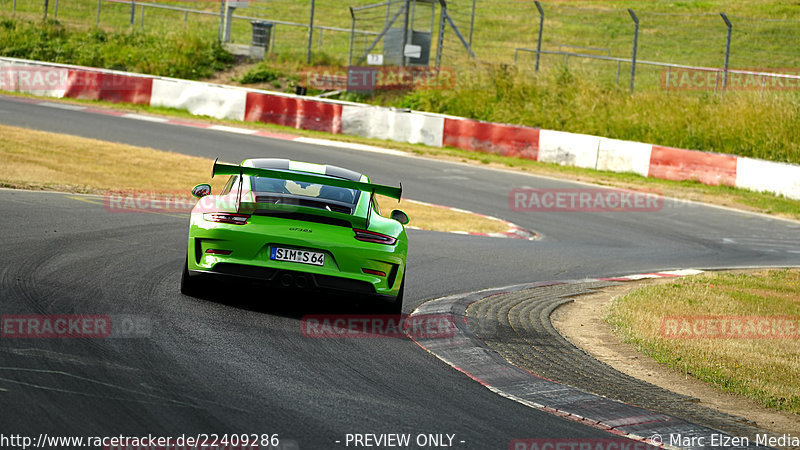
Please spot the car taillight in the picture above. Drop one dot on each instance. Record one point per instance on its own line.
(236, 219)
(371, 236)
(216, 251)
(373, 272)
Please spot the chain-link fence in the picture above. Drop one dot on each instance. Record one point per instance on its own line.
(674, 50)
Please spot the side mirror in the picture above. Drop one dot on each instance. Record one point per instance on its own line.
(201, 190)
(400, 216)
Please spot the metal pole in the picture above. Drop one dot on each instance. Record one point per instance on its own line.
(310, 33)
(635, 46)
(539, 41)
(405, 32)
(458, 33)
(97, 20)
(45, 10)
(472, 23)
(221, 19)
(133, 10)
(352, 36)
(14, 10)
(442, 12)
(141, 22)
(669, 72)
(55, 11)
(727, 50)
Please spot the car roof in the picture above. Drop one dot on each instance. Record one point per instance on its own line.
(299, 166)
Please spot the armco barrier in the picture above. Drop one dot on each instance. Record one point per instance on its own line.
(231, 102)
(678, 164)
(506, 140)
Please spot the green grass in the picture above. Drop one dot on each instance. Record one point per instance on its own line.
(181, 54)
(741, 123)
(765, 370)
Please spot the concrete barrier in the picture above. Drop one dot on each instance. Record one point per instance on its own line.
(677, 164)
(624, 156)
(200, 98)
(568, 149)
(502, 139)
(294, 111)
(393, 125)
(768, 176)
(231, 102)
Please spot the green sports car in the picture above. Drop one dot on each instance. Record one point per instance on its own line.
(301, 226)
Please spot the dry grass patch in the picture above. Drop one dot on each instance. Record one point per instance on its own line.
(431, 217)
(50, 161)
(766, 370)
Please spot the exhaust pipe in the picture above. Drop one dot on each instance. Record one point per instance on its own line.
(286, 280)
(301, 282)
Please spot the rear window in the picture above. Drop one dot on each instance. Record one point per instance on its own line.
(274, 190)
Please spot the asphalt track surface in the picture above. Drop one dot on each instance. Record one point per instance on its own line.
(236, 361)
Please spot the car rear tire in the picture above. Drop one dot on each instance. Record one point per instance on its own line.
(190, 286)
(396, 307)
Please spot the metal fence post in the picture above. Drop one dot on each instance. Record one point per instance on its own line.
(14, 10)
(310, 33)
(406, 14)
(55, 11)
(727, 50)
(635, 46)
(97, 20)
(221, 20)
(539, 40)
(45, 10)
(133, 11)
(472, 23)
(352, 36)
(141, 21)
(442, 13)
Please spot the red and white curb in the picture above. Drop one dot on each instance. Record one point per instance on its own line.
(466, 353)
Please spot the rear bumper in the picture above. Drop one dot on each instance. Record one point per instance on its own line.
(349, 265)
(292, 279)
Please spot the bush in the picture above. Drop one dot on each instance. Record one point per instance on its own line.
(180, 54)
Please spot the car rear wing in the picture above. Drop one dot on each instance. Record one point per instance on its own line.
(231, 169)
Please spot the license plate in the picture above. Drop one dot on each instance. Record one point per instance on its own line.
(298, 256)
